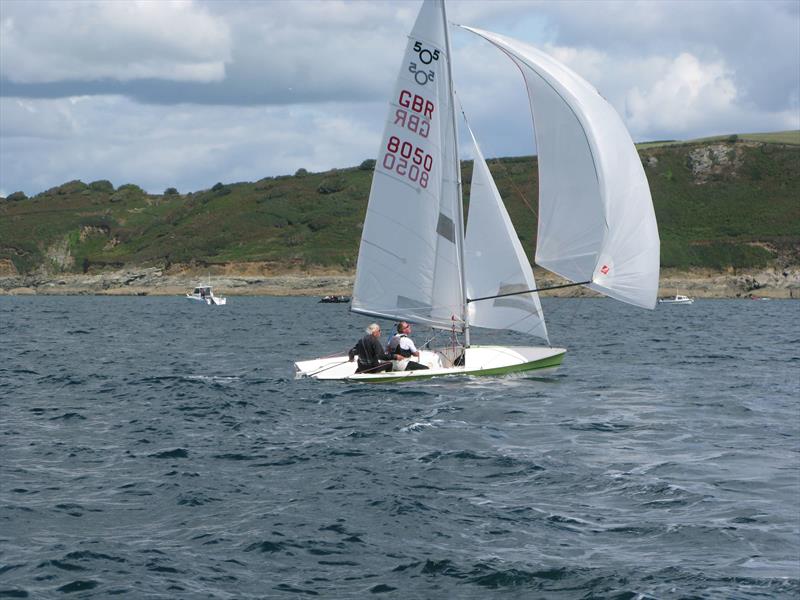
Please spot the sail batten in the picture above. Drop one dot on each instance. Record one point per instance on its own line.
(596, 217)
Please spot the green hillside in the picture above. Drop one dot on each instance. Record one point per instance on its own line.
(727, 202)
(791, 138)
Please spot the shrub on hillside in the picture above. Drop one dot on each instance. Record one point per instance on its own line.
(170, 191)
(221, 190)
(131, 187)
(331, 185)
(129, 191)
(301, 172)
(102, 185)
(97, 221)
(263, 184)
(367, 165)
(16, 197)
(71, 187)
(319, 221)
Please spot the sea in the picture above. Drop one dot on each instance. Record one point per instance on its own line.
(159, 448)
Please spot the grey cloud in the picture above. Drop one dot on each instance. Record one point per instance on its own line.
(263, 88)
(238, 89)
(44, 41)
(280, 53)
(760, 41)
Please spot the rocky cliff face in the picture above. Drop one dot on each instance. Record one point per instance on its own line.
(713, 160)
(7, 268)
(58, 256)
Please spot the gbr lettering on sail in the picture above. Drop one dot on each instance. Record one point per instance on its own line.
(410, 147)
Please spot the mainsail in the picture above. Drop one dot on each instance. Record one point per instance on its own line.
(495, 262)
(596, 218)
(409, 261)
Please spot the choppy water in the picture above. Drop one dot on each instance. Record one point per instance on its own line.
(157, 448)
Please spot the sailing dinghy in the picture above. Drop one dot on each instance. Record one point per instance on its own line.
(596, 224)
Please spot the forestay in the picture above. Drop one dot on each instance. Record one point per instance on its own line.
(409, 264)
(495, 262)
(596, 218)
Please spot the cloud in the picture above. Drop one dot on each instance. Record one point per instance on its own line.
(83, 41)
(49, 141)
(29, 118)
(234, 53)
(759, 42)
(186, 94)
(671, 69)
(683, 97)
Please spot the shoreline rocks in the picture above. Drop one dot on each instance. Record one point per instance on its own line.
(250, 281)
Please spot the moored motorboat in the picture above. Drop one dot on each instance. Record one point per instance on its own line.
(676, 299)
(333, 299)
(205, 293)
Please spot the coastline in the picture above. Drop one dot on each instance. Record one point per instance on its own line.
(254, 280)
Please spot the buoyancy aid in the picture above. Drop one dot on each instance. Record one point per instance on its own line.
(397, 348)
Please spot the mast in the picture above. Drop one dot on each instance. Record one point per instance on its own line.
(460, 208)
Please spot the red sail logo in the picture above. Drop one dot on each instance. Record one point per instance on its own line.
(605, 270)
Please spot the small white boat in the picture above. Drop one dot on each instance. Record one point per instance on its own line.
(677, 299)
(205, 293)
(418, 262)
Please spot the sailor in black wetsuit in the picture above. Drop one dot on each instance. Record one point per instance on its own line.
(371, 356)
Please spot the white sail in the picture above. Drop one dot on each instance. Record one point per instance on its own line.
(596, 218)
(409, 264)
(495, 262)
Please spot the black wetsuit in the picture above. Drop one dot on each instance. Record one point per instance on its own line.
(370, 354)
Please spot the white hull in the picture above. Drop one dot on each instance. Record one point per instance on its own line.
(480, 361)
(676, 300)
(210, 300)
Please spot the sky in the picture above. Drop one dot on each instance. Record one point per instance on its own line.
(186, 94)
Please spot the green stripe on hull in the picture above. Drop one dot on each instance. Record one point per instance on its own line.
(545, 363)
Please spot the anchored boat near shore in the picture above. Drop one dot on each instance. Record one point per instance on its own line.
(334, 299)
(205, 293)
(596, 228)
(677, 299)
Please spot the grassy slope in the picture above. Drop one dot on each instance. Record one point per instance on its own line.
(791, 138)
(743, 211)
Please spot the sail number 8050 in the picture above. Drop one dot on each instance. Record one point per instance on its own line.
(397, 157)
